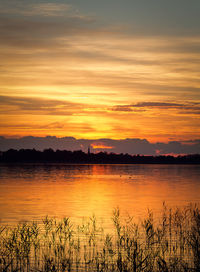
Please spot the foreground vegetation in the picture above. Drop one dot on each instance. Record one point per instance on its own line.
(172, 244)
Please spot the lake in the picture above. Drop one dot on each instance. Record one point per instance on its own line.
(32, 191)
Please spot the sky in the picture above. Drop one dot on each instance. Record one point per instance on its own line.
(100, 69)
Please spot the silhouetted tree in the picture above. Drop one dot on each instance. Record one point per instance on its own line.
(78, 156)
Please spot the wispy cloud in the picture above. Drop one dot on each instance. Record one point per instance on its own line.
(38, 106)
(183, 108)
(35, 9)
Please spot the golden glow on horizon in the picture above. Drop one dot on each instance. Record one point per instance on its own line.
(100, 146)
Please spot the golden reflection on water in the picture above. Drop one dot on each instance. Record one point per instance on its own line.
(77, 191)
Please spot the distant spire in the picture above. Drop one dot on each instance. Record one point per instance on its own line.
(89, 150)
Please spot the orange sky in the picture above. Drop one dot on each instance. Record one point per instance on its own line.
(75, 74)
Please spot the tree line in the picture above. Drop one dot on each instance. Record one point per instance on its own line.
(78, 156)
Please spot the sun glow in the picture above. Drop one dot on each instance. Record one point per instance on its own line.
(101, 146)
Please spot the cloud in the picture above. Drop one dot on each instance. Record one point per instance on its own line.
(177, 147)
(157, 105)
(38, 106)
(32, 32)
(183, 108)
(41, 25)
(35, 9)
(131, 146)
(46, 9)
(122, 108)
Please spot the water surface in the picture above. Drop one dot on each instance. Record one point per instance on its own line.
(31, 191)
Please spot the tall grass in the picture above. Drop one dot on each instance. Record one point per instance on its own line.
(168, 245)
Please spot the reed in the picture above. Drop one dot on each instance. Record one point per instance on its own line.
(170, 244)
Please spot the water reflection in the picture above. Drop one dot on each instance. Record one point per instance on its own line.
(30, 192)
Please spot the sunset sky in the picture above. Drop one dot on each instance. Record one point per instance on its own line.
(100, 69)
